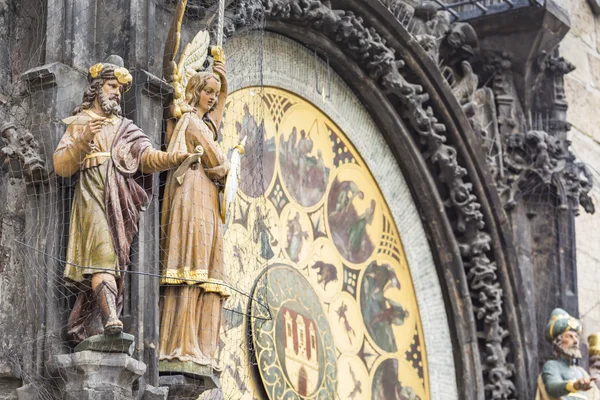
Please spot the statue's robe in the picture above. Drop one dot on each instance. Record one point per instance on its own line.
(192, 252)
(552, 383)
(114, 186)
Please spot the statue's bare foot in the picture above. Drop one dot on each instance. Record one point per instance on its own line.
(113, 327)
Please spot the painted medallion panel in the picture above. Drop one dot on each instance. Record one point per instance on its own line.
(333, 312)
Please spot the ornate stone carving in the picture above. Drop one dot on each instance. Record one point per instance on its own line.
(22, 153)
(479, 106)
(369, 49)
(429, 26)
(541, 154)
(460, 43)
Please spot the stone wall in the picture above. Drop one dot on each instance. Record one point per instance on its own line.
(582, 47)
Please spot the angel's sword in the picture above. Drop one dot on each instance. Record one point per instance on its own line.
(220, 23)
(217, 51)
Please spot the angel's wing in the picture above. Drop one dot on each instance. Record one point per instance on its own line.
(194, 55)
(192, 60)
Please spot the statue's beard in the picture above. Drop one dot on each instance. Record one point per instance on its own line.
(571, 353)
(108, 105)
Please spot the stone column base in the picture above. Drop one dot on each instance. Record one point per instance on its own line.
(185, 387)
(91, 375)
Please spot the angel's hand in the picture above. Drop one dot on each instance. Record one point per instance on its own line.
(219, 69)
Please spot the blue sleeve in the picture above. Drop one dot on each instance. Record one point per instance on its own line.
(556, 386)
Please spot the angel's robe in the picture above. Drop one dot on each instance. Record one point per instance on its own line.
(192, 252)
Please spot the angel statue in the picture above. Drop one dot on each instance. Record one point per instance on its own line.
(191, 227)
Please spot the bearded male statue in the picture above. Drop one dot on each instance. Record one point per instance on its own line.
(114, 159)
(561, 377)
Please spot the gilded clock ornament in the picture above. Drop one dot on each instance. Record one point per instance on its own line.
(334, 311)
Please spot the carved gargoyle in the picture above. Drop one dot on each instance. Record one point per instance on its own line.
(429, 26)
(459, 44)
(21, 155)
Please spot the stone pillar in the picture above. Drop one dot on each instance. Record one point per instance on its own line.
(186, 387)
(100, 368)
(91, 375)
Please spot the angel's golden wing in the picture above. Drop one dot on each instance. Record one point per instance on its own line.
(192, 60)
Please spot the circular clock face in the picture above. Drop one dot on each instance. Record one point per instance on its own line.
(333, 312)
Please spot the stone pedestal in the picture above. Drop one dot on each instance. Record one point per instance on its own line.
(88, 375)
(120, 343)
(187, 387)
(155, 393)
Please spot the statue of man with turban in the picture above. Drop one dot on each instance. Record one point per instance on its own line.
(561, 377)
(114, 159)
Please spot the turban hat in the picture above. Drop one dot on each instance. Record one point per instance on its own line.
(561, 322)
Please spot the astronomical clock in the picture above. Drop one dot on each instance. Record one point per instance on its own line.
(331, 309)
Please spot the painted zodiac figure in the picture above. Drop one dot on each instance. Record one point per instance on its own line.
(295, 237)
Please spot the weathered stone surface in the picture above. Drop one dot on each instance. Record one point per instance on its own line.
(121, 343)
(576, 52)
(17, 344)
(188, 367)
(155, 393)
(30, 391)
(588, 238)
(583, 107)
(562, 3)
(8, 388)
(95, 375)
(594, 63)
(22, 153)
(582, 21)
(588, 277)
(185, 387)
